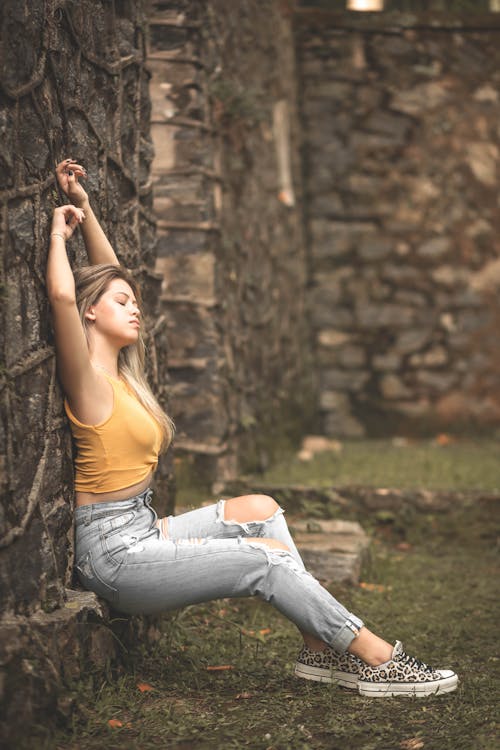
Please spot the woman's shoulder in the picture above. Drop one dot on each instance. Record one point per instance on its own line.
(92, 402)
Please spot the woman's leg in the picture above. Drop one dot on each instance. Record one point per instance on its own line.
(244, 516)
(121, 557)
(249, 514)
(143, 573)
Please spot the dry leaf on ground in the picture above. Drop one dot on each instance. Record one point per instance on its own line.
(144, 687)
(413, 743)
(378, 587)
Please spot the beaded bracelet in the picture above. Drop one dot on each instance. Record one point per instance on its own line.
(56, 234)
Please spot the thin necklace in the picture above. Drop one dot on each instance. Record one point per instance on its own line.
(101, 367)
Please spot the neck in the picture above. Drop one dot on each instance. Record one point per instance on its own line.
(104, 358)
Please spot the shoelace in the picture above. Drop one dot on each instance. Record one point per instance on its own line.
(411, 661)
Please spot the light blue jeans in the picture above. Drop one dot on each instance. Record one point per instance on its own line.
(121, 555)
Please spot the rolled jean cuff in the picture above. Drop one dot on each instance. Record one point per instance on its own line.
(347, 633)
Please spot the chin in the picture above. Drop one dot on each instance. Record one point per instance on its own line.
(129, 340)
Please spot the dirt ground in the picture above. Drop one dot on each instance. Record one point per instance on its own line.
(221, 674)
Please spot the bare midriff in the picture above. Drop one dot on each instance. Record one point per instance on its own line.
(89, 498)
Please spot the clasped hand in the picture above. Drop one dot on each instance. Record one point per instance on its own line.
(66, 218)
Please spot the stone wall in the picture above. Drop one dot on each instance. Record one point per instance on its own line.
(230, 238)
(73, 83)
(400, 123)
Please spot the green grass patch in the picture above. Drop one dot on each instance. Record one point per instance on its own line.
(459, 465)
(439, 595)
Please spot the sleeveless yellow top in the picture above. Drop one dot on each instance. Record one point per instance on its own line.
(119, 452)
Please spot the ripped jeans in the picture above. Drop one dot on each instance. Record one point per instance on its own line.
(121, 555)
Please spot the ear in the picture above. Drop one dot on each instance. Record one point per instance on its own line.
(90, 313)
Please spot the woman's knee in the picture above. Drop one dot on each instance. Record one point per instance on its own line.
(249, 508)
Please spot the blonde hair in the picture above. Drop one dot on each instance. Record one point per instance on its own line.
(91, 282)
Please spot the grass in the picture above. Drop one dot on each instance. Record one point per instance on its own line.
(455, 465)
(437, 592)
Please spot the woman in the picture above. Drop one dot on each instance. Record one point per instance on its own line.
(237, 547)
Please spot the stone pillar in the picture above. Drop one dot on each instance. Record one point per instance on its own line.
(185, 179)
(73, 84)
(231, 247)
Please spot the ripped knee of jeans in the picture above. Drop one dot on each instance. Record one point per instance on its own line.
(162, 526)
(247, 527)
(277, 556)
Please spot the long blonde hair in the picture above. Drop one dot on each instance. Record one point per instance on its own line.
(91, 282)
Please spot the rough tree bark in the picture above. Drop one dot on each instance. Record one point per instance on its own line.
(73, 83)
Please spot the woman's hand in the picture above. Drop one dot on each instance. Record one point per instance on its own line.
(65, 220)
(68, 172)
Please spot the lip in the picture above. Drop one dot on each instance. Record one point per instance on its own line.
(135, 323)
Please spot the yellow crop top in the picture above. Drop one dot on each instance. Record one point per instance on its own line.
(119, 452)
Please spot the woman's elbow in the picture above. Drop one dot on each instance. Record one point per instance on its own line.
(61, 297)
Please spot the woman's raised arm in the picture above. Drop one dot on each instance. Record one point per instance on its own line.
(73, 361)
(97, 245)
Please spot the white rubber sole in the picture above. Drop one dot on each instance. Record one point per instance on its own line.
(344, 679)
(412, 689)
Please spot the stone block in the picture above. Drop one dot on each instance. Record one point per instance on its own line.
(402, 275)
(374, 249)
(325, 203)
(340, 424)
(42, 654)
(332, 550)
(438, 382)
(188, 275)
(451, 276)
(176, 241)
(420, 98)
(412, 340)
(168, 37)
(329, 315)
(372, 316)
(351, 357)
(392, 387)
(328, 291)
(417, 409)
(332, 91)
(407, 298)
(435, 357)
(335, 401)
(389, 361)
(332, 338)
(164, 145)
(434, 248)
(344, 380)
(482, 158)
(365, 144)
(394, 126)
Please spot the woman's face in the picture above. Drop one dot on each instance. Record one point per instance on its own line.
(116, 314)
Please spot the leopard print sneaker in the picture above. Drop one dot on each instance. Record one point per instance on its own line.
(329, 666)
(404, 675)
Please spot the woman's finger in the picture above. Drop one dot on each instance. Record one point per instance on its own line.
(63, 165)
(70, 211)
(70, 165)
(78, 167)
